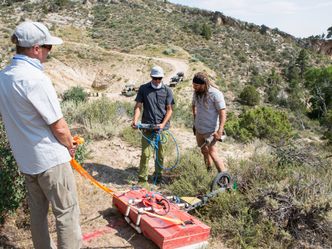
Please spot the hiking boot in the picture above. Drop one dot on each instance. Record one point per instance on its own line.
(158, 180)
(144, 184)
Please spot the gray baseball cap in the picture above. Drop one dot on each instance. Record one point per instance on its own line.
(35, 33)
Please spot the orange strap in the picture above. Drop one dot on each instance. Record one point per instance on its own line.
(85, 174)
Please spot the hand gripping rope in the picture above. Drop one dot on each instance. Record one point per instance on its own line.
(156, 137)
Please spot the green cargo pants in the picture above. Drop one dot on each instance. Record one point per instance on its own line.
(148, 150)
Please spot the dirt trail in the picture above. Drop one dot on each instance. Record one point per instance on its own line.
(131, 68)
(178, 65)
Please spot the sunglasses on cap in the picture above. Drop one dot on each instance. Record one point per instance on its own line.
(157, 78)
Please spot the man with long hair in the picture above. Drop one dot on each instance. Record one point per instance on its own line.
(209, 112)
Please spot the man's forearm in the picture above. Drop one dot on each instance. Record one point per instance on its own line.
(167, 116)
(194, 111)
(62, 133)
(222, 120)
(137, 112)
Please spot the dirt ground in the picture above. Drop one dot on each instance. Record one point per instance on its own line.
(114, 164)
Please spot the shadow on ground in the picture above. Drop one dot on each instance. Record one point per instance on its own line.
(5, 243)
(106, 174)
(118, 227)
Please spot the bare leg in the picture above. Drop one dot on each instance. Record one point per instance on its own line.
(207, 158)
(213, 153)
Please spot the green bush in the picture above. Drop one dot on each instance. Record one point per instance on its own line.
(12, 190)
(249, 96)
(192, 175)
(76, 94)
(202, 29)
(272, 94)
(275, 206)
(266, 123)
(319, 83)
(206, 31)
(263, 122)
(182, 115)
(81, 153)
(169, 51)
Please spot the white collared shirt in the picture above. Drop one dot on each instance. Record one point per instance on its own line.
(28, 105)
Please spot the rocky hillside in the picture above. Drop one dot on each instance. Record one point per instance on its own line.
(279, 97)
(231, 47)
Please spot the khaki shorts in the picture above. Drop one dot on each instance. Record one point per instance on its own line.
(200, 138)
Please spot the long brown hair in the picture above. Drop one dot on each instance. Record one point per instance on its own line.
(203, 77)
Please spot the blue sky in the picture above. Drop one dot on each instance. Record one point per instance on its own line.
(300, 18)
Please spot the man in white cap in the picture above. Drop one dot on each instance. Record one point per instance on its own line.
(40, 138)
(157, 100)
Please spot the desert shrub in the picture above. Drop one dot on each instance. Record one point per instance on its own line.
(12, 190)
(290, 154)
(233, 129)
(266, 123)
(182, 115)
(192, 177)
(169, 51)
(272, 94)
(131, 136)
(249, 96)
(100, 118)
(319, 83)
(201, 29)
(263, 122)
(82, 153)
(275, 206)
(76, 94)
(206, 31)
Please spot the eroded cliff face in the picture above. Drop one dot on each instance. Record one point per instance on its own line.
(326, 47)
(321, 46)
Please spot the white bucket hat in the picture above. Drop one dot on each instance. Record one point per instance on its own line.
(157, 72)
(35, 33)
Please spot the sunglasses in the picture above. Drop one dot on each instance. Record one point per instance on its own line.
(157, 78)
(48, 47)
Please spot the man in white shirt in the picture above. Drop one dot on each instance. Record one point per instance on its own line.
(40, 138)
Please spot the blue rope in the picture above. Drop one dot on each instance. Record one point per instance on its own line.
(154, 140)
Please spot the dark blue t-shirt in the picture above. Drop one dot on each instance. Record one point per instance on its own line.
(154, 103)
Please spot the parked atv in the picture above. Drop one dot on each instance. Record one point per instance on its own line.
(176, 79)
(129, 90)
